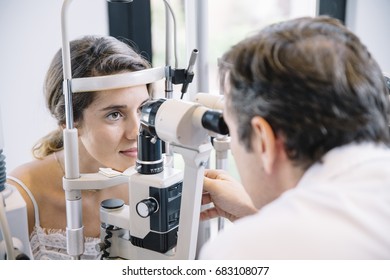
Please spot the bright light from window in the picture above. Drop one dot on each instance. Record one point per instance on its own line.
(229, 22)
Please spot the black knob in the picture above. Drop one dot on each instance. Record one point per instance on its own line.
(147, 207)
(112, 203)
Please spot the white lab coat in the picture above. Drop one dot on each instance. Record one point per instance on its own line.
(340, 209)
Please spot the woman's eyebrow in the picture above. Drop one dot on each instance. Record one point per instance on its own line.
(114, 107)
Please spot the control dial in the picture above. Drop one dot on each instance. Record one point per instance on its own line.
(147, 207)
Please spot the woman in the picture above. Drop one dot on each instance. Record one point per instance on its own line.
(107, 123)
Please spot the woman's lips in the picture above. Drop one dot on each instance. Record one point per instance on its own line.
(130, 152)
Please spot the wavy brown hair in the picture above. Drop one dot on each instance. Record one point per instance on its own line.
(90, 56)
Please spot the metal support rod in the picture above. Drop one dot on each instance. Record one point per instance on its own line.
(74, 227)
(221, 146)
(195, 162)
(196, 16)
(168, 77)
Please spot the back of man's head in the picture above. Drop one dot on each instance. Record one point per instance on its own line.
(313, 81)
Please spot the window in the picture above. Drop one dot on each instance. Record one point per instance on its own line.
(229, 21)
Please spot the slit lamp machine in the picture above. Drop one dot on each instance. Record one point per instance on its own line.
(162, 218)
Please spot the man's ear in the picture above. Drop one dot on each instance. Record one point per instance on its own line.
(263, 142)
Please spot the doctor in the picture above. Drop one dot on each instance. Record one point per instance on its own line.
(307, 108)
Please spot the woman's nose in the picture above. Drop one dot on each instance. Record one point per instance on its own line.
(132, 127)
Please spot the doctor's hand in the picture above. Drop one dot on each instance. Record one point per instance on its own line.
(229, 197)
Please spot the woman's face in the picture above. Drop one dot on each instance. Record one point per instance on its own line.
(108, 131)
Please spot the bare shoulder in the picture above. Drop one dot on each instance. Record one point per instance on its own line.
(41, 177)
(26, 176)
(33, 172)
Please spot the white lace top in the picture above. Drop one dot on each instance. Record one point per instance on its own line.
(50, 244)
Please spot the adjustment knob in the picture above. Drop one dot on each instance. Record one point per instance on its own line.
(147, 207)
(112, 204)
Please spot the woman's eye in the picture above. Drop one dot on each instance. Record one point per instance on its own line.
(114, 116)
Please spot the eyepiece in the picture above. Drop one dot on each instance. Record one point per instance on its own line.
(213, 120)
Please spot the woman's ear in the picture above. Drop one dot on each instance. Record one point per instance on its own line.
(264, 142)
(78, 127)
(75, 125)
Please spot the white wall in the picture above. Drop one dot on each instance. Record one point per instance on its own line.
(30, 33)
(370, 20)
